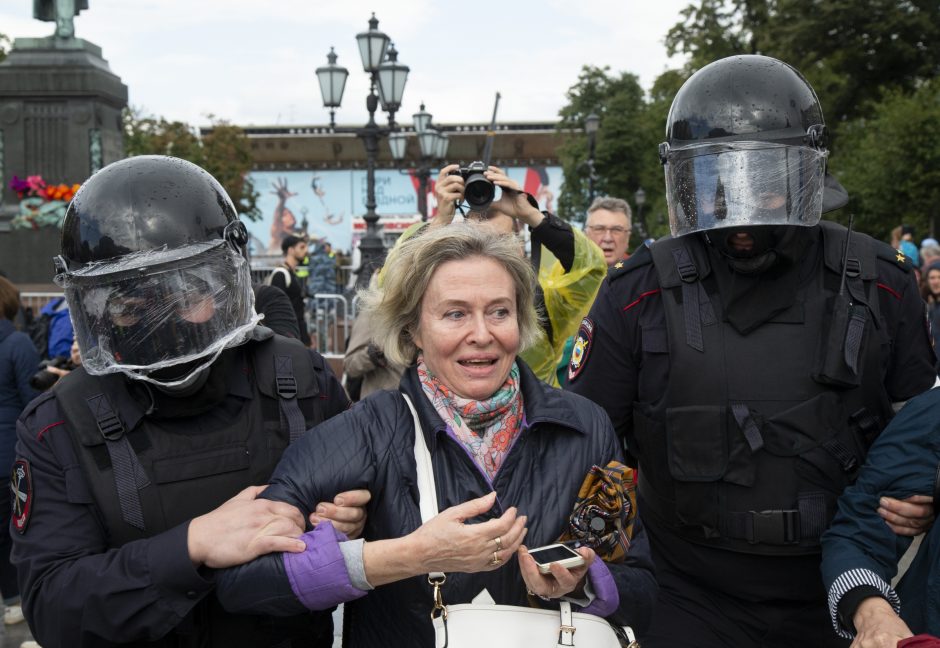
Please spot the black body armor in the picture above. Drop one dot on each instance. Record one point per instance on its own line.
(756, 435)
(147, 476)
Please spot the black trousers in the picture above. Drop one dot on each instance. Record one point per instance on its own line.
(688, 615)
(8, 586)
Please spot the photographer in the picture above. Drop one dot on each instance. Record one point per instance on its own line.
(570, 268)
(51, 370)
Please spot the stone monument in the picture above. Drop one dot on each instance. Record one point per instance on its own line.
(60, 118)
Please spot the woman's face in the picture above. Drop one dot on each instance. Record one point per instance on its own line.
(933, 282)
(468, 329)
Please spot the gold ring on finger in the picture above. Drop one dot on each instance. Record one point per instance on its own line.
(499, 543)
(496, 559)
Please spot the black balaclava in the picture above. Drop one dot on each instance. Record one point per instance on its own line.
(758, 284)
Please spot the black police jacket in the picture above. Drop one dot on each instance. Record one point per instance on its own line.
(372, 446)
(88, 576)
(727, 425)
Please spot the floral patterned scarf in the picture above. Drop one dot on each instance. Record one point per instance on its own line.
(486, 428)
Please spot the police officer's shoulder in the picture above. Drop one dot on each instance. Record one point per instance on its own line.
(41, 414)
(887, 255)
(888, 261)
(639, 259)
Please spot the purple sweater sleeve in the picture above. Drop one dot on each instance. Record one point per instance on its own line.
(318, 576)
(606, 597)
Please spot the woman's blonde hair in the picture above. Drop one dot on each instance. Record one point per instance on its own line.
(396, 304)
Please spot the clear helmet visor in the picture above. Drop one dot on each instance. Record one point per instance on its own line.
(153, 310)
(712, 186)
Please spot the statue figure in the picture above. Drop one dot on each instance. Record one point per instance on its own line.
(61, 12)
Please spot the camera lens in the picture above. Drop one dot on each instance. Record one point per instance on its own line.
(479, 192)
(43, 380)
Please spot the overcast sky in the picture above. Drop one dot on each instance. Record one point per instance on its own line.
(253, 62)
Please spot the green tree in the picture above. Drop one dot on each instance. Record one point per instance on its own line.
(710, 30)
(890, 163)
(624, 143)
(228, 158)
(626, 153)
(851, 52)
(223, 151)
(4, 46)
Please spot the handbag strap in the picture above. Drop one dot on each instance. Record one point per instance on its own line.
(427, 494)
(427, 502)
(566, 631)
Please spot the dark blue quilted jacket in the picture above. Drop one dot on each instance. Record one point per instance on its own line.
(372, 446)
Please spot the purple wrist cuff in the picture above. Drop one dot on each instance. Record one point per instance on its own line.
(606, 597)
(318, 576)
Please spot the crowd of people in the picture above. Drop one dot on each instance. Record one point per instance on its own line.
(926, 263)
(746, 441)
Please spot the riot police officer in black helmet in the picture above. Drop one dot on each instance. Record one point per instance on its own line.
(748, 360)
(137, 474)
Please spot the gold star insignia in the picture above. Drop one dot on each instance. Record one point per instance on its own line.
(900, 257)
(618, 265)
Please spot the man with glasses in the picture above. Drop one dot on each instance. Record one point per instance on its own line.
(609, 225)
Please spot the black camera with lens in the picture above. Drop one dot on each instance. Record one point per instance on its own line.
(478, 191)
(44, 379)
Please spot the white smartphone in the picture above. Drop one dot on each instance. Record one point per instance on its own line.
(555, 553)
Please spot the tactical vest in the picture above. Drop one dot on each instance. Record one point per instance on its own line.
(757, 435)
(146, 476)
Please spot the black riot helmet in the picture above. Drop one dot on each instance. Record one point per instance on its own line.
(154, 269)
(746, 146)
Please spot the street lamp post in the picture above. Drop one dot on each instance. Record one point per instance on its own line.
(388, 77)
(591, 124)
(433, 146)
(640, 198)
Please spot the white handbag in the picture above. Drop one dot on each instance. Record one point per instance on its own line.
(483, 622)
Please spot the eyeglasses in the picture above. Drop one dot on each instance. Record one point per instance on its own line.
(613, 230)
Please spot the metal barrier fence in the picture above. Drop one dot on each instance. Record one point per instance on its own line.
(343, 273)
(328, 322)
(328, 318)
(36, 300)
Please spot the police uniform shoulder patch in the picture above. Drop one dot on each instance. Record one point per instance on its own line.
(21, 492)
(581, 348)
(894, 257)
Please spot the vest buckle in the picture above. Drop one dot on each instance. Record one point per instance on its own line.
(110, 426)
(853, 268)
(286, 387)
(774, 527)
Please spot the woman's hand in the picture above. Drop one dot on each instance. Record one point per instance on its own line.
(449, 544)
(561, 581)
(877, 625)
(448, 190)
(513, 201)
(446, 543)
(347, 512)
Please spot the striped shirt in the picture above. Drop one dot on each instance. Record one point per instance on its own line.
(850, 580)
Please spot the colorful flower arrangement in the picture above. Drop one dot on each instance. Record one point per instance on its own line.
(35, 186)
(41, 204)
